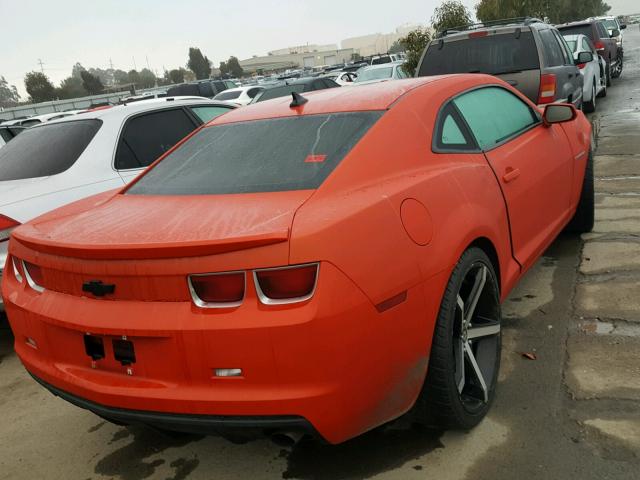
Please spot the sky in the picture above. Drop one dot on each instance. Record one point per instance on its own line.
(131, 33)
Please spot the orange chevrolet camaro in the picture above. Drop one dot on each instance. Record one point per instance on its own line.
(319, 265)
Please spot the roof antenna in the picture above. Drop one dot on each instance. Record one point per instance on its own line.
(298, 100)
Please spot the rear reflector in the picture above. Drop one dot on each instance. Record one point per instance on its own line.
(286, 284)
(547, 92)
(34, 276)
(217, 290)
(6, 225)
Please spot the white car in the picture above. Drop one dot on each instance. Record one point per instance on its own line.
(342, 78)
(59, 162)
(592, 71)
(239, 96)
(380, 73)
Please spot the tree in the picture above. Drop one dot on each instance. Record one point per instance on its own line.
(224, 69)
(450, 14)
(557, 11)
(199, 64)
(177, 75)
(235, 70)
(39, 87)
(396, 47)
(77, 70)
(147, 78)
(8, 93)
(71, 87)
(91, 83)
(120, 77)
(133, 77)
(414, 44)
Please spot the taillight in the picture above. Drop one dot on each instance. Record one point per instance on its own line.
(217, 290)
(34, 276)
(547, 92)
(286, 284)
(582, 65)
(483, 33)
(599, 46)
(6, 225)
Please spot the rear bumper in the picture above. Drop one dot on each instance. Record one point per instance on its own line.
(198, 424)
(333, 362)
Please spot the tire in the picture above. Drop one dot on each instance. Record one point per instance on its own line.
(608, 75)
(603, 92)
(454, 396)
(590, 106)
(583, 219)
(617, 71)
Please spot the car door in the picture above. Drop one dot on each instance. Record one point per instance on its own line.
(531, 162)
(146, 136)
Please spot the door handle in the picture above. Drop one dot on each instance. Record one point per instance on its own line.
(510, 174)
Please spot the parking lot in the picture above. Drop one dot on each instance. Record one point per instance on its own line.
(569, 408)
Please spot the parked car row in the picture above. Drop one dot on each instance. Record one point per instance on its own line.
(571, 63)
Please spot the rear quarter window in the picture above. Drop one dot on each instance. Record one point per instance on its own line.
(293, 153)
(46, 150)
(493, 54)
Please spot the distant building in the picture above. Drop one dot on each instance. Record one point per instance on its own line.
(308, 48)
(282, 61)
(377, 42)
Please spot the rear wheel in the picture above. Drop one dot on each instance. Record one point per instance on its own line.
(590, 106)
(608, 75)
(583, 219)
(465, 353)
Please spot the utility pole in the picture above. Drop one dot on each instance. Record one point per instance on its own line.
(134, 64)
(147, 57)
(111, 63)
(41, 65)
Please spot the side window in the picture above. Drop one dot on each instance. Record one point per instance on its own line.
(400, 72)
(494, 114)
(451, 134)
(586, 45)
(252, 92)
(208, 113)
(602, 31)
(568, 55)
(148, 136)
(552, 52)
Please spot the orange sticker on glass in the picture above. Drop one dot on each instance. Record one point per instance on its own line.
(315, 158)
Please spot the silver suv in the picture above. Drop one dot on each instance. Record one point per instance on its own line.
(527, 53)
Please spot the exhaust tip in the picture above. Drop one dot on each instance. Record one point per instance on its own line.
(286, 439)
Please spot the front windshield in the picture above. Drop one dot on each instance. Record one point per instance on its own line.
(374, 74)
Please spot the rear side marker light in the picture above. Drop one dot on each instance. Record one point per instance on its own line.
(217, 290)
(6, 226)
(283, 285)
(33, 273)
(228, 372)
(16, 269)
(547, 92)
(391, 302)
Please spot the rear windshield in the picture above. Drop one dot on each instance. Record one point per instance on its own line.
(295, 153)
(610, 24)
(374, 74)
(576, 29)
(493, 54)
(46, 150)
(227, 95)
(280, 92)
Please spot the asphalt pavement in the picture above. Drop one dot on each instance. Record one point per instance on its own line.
(572, 412)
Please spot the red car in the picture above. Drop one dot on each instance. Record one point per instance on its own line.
(320, 265)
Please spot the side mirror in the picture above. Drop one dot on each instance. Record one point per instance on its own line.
(615, 33)
(558, 113)
(584, 57)
(623, 26)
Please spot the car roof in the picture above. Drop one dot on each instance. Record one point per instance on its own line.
(120, 111)
(377, 96)
(577, 24)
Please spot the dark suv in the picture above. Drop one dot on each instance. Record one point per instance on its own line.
(527, 53)
(604, 42)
